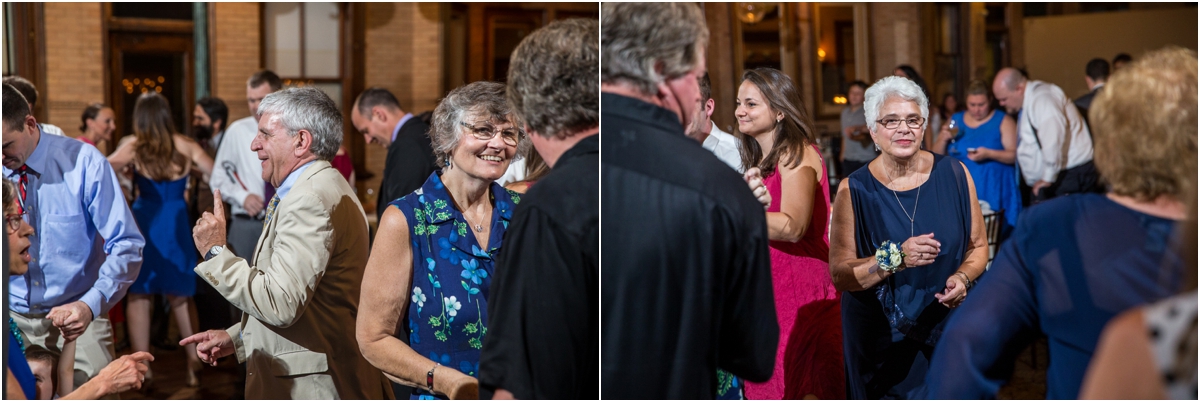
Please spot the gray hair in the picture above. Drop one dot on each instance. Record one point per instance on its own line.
(552, 78)
(484, 98)
(309, 109)
(893, 87)
(638, 38)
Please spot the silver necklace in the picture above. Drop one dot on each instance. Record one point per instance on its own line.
(913, 217)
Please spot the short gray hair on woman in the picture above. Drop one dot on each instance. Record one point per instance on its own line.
(307, 109)
(552, 78)
(893, 87)
(638, 38)
(484, 98)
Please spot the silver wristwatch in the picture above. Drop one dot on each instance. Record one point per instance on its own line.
(212, 252)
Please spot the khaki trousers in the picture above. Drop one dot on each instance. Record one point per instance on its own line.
(93, 350)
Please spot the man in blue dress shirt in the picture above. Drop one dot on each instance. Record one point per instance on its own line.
(87, 249)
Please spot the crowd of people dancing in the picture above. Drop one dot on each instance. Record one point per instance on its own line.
(313, 303)
(707, 295)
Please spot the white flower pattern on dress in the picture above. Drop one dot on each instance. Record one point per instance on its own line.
(452, 305)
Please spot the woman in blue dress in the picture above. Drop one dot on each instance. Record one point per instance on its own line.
(161, 161)
(434, 258)
(1073, 263)
(906, 243)
(986, 143)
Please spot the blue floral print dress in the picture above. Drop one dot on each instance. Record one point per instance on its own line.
(447, 312)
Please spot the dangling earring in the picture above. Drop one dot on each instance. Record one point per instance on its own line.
(447, 162)
(877, 147)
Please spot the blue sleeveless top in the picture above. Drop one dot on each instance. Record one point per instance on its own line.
(886, 327)
(907, 299)
(447, 320)
(995, 181)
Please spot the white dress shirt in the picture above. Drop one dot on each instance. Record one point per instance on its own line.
(725, 146)
(237, 172)
(1065, 140)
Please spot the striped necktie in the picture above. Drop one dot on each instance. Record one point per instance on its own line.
(22, 183)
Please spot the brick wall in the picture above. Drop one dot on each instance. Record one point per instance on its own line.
(896, 38)
(404, 55)
(235, 53)
(74, 63)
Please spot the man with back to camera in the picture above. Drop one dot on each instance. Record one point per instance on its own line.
(550, 259)
(686, 273)
(1054, 147)
(1096, 74)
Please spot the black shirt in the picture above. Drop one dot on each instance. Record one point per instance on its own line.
(687, 272)
(544, 299)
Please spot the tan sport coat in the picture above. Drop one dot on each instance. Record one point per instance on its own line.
(300, 297)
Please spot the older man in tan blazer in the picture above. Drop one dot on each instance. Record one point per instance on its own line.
(299, 294)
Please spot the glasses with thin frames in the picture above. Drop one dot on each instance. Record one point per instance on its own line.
(486, 132)
(893, 123)
(13, 221)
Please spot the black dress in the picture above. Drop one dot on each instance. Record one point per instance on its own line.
(890, 330)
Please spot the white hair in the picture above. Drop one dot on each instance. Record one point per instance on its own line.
(307, 109)
(889, 87)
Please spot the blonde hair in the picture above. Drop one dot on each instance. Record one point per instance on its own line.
(1144, 126)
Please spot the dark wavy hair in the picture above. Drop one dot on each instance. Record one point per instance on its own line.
(795, 131)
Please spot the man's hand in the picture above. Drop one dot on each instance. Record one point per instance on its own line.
(210, 229)
(211, 345)
(71, 319)
(1037, 187)
(253, 204)
(123, 374)
(754, 180)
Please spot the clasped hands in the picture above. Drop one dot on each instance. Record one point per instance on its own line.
(922, 250)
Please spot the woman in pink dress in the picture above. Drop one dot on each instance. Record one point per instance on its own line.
(779, 143)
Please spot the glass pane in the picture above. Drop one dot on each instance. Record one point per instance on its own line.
(282, 26)
(835, 52)
(760, 36)
(170, 11)
(321, 40)
(334, 90)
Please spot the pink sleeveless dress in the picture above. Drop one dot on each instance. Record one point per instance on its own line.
(809, 359)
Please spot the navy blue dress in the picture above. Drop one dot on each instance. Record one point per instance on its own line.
(890, 330)
(1072, 264)
(170, 253)
(452, 275)
(995, 181)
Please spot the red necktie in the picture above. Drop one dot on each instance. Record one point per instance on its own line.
(23, 182)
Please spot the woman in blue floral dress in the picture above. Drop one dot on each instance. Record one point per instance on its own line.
(434, 257)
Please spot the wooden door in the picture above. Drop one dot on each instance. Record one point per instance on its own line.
(165, 60)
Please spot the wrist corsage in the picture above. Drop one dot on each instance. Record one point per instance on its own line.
(890, 257)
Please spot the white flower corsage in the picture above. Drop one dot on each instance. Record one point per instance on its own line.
(889, 256)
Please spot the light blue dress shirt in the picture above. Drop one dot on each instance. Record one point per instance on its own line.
(290, 180)
(87, 245)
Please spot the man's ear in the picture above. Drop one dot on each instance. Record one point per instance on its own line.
(304, 142)
(709, 106)
(378, 113)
